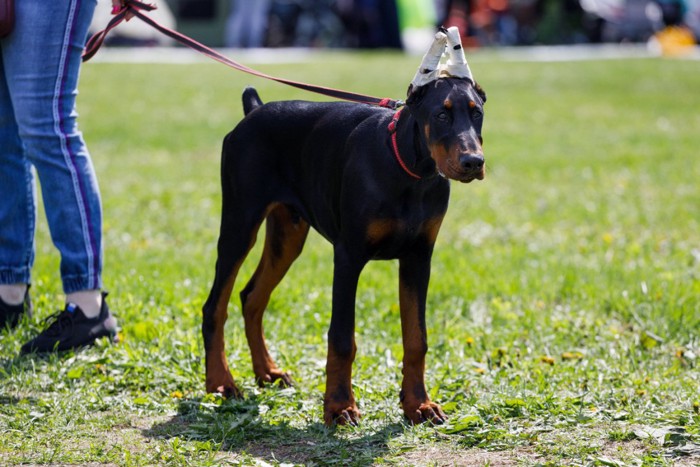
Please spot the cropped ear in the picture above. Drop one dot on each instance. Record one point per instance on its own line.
(480, 91)
(429, 69)
(456, 66)
(415, 94)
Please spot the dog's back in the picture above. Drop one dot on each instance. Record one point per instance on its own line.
(308, 151)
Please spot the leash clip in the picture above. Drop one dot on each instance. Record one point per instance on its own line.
(394, 121)
(390, 103)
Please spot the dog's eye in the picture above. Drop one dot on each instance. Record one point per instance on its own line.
(442, 116)
(477, 114)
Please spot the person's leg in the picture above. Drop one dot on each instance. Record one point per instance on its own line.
(17, 211)
(42, 62)
(43, 57)
(233, 34)
(258, 22)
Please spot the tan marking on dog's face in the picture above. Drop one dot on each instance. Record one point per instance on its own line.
(426, 131)
(453, 134)
(437, 151)
(447, 161)
(440, 155)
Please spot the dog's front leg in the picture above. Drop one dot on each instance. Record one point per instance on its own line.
(414, 275)
(339, 402)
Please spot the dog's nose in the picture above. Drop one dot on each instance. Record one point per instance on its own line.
(471, 162)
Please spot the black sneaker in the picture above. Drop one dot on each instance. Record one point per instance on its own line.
(70, 328)
(10, 314)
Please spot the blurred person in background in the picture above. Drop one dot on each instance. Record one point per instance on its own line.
(247, 23)
(676, 38)
(493, 22)
(371, 24)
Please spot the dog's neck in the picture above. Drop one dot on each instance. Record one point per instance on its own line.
(413, 147)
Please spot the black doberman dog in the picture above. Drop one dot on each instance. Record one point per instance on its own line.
(372, 182)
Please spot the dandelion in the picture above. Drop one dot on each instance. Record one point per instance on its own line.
(571, 356)
(547, 359)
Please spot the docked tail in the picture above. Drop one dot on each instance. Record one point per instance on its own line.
(251, 100)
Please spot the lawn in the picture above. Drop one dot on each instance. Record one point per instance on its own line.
(564, 306)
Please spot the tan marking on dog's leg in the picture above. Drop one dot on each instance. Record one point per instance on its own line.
(284, 240)
(413, 392)
(413, 282)
(431, 228)
(218, 375)
(339, 401)
(415, 402)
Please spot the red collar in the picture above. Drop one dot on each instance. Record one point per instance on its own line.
(395, 146)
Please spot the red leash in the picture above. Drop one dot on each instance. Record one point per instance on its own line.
(136, 8)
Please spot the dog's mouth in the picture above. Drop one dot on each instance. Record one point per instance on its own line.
(471, 177)
(455, 171)
(468, 178)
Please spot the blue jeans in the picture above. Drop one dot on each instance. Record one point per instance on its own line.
(39, 66)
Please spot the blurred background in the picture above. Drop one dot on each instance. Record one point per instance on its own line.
(410, 24)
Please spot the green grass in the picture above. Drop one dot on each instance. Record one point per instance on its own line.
(564, 307)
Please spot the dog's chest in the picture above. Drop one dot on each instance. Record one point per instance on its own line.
(388, 238)
(405, 223)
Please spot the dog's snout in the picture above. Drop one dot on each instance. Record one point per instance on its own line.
(471, 162)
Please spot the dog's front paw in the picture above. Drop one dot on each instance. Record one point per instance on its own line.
(349, 415)
(226, 387)
(230, 392)
(426, 412)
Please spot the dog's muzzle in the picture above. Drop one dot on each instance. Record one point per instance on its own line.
(472, 167)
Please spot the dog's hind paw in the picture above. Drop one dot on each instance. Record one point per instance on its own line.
(279, 377)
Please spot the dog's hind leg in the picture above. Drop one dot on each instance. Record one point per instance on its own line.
(284, 239)
(236, 238)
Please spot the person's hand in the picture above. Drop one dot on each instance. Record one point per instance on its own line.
(117, 6)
